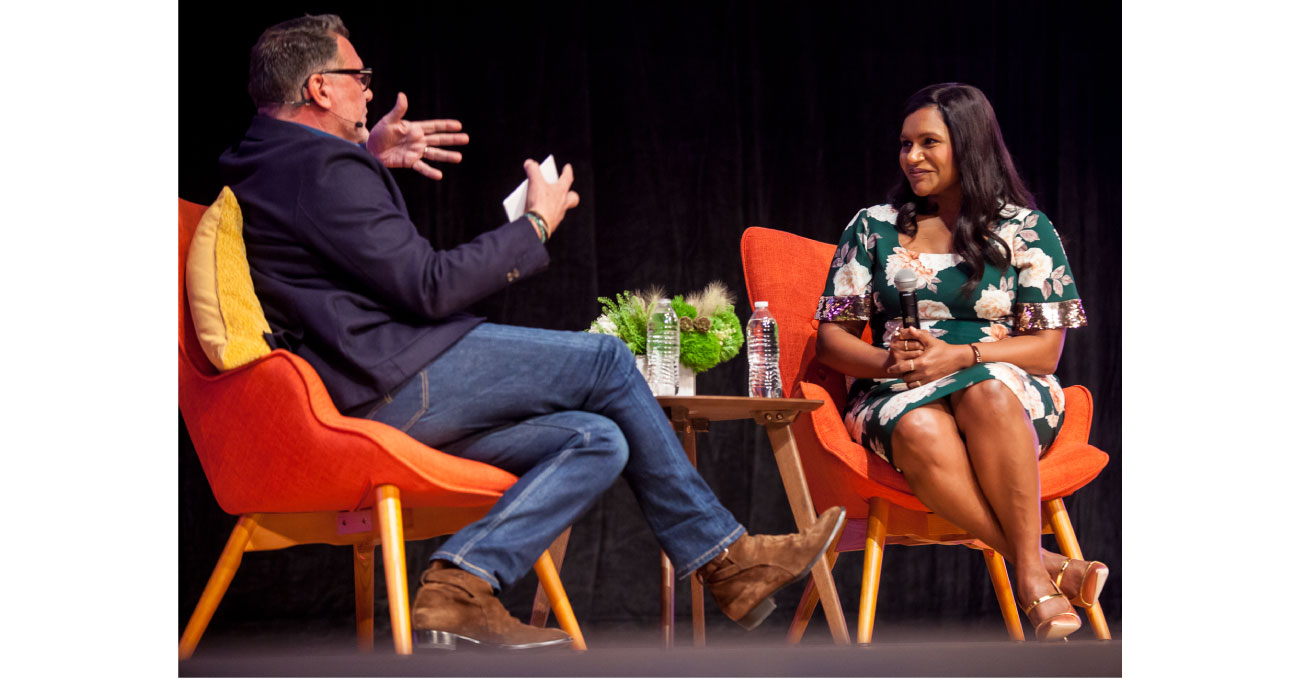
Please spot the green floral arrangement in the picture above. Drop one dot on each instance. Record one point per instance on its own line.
(710, 329)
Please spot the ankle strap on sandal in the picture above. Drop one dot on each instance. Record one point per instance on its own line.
(1040, 600)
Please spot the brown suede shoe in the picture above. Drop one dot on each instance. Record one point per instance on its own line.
(744, 576)
(454, 607)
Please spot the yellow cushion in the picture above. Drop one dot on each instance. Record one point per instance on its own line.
(227, 316)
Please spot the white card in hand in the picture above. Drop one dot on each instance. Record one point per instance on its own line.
(514, 203)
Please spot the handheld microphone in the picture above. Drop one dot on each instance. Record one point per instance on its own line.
(906, 283)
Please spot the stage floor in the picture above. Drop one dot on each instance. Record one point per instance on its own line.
(634, 653)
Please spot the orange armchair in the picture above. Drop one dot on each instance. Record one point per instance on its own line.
(789, 272)
(278, 454)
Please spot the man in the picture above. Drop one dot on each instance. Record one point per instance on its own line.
(348, 284)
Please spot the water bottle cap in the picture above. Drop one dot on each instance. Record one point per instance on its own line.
(760, 305)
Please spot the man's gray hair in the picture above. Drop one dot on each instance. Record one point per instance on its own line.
(289, 52)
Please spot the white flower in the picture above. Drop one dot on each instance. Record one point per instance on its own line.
(995, 332)
(1010, 211)
(993, 304)
(852, 279)
(1017, 381)
(603, 326)
(905, 259)
(883, 213)
(1053, 388)
(854, 419)
(931, 310)
(938, 262)
(928, 326)
(1035, 266)
(1019, 252)
(895, 405)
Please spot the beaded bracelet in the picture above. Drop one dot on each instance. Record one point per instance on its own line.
(539, 222)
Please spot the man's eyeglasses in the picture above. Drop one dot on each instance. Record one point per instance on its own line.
(362, 74)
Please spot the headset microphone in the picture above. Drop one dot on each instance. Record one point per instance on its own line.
(359, 123)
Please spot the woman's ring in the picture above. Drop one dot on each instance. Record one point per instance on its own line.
(913, 385)
(911, 363)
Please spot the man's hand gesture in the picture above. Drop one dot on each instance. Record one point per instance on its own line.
(409, 143)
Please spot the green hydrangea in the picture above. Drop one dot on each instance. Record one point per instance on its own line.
(726, 330)
(699, 351)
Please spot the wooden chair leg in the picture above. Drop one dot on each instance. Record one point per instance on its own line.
(549, 578)
(363, 578)
(542, 604)
(1064, 532)
(807, 604)
(1006, 598)
(873, 555)
(667, 596)
(218, 582)
(697, 611)
(388, 510)
(789, 465)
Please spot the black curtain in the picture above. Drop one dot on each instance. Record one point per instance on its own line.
(685, 124)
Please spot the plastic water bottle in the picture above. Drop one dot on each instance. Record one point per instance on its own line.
(662, 349)
(764, 353)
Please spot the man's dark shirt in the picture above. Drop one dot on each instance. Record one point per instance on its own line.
(345, 279)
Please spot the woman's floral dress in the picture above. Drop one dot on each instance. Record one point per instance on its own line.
(1037, 292)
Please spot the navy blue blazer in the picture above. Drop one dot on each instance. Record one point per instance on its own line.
(345, 279)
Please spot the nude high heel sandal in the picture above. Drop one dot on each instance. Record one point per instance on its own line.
(1056, 627)
(1094, 578)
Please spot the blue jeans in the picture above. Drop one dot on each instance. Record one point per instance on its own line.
(566, 412)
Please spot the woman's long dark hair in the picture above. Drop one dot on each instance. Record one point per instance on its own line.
(987, 176)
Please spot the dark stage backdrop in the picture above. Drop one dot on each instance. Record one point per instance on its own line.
(685, 124)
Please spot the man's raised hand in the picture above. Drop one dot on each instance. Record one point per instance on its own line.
(550, 201)
(410, 143)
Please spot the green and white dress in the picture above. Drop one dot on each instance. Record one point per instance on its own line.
(1036, 292)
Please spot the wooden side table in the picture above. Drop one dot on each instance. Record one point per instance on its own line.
(692, 414)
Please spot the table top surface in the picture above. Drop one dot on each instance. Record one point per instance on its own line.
(717, 408)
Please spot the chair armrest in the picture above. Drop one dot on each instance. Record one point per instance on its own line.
(270, 439)
(849, 472)
(828, 426)
(1077, 423)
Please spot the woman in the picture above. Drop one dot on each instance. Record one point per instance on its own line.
(964, 405)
